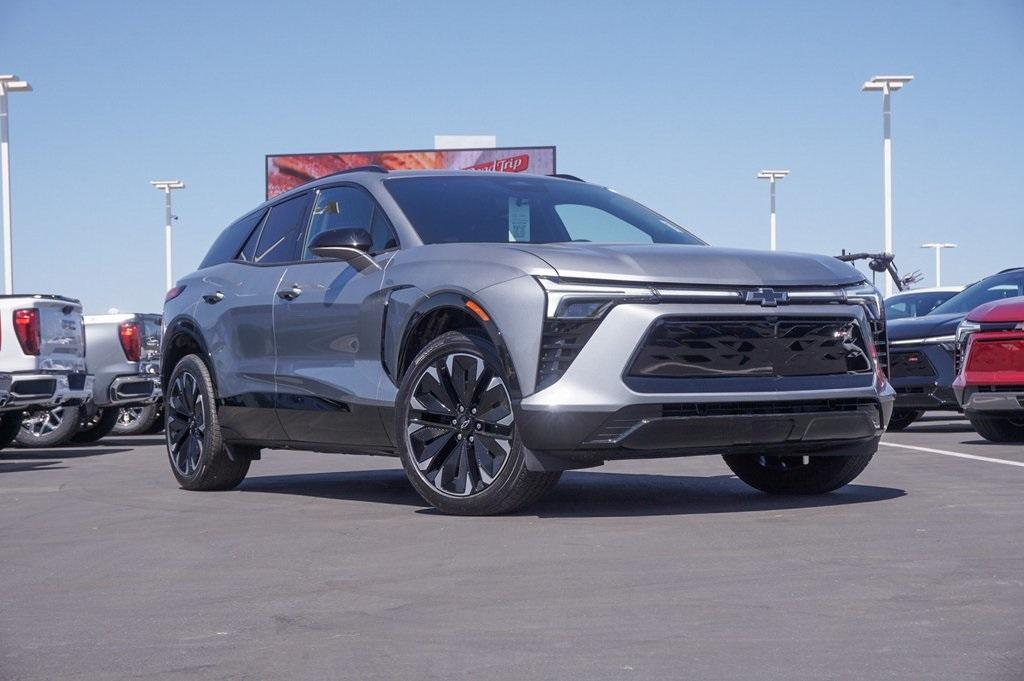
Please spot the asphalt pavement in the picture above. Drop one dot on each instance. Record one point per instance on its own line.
(324, 566)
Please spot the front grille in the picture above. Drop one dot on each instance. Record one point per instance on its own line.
(908, 364)
(765, 408)
(682, 347)
(560, 343)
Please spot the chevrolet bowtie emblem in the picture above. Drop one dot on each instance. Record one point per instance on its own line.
(766, 297)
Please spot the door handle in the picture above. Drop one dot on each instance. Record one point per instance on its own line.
(290, 293)
(213, 298)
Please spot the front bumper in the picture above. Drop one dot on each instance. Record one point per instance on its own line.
(932, 387)
(43, 390)
(593, 413)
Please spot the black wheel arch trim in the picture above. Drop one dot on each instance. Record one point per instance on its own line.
(454, 300)
(182, 325)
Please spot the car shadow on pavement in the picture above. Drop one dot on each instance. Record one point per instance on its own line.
(580, 493)
(57, 453)
(379, 486)
(51, 465)
(597, 494)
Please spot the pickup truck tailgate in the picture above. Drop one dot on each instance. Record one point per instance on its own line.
(61, 335)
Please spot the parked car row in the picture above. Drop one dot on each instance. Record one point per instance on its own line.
(923, 350)
(65, 377)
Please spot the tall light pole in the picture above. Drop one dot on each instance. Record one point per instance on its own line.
(938, 259)
(772, 176)
(8, 83)
(887, 85)
(167, 186)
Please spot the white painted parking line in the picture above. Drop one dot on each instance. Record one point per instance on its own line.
(956, 454)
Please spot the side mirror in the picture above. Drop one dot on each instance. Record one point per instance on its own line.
(351, 245)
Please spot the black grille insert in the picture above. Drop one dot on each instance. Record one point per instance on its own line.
(560, 343)
(683, 347)
(913, 363)
(765, 408)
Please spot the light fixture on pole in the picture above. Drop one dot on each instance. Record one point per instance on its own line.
(938, 259)
(887, 85)
(166, 186)
(8, 83)
(772, 176)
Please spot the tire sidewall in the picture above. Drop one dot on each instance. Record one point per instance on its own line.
(495, 493)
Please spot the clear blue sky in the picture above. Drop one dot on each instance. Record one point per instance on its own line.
(676, 104)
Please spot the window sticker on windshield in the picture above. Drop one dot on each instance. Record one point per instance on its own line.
(518, 219)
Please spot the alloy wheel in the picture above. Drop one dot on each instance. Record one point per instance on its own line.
(129, 416)
(186, 424)
(460, 425)
(43, 422)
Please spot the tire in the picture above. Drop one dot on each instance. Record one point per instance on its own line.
(901, 418)
(791, 476)
(459, 463)
(138, 420)
(10, 424)
(998, 429)
(158, 424)
(198, 456)
(97, 427)
(48, 428)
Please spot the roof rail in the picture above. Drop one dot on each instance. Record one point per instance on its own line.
(566, 176)
(359, 169)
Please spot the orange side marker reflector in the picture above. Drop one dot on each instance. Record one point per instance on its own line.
(478, 311)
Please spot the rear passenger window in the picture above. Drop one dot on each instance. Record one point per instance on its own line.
(230, 241)
(281, 237)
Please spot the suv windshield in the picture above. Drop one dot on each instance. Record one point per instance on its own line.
(1008, 285)
(529, 209)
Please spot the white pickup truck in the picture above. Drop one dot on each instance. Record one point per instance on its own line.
(42, 358)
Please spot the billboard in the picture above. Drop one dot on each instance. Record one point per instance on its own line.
(286, 171)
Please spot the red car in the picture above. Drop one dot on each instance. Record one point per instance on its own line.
(990, 377)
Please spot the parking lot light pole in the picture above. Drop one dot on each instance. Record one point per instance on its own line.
(938, 259)
(772, 176)
(8, 83)
(887, 85)
(167, 186)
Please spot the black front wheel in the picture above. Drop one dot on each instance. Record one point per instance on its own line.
(902, 418)
(459, 443)
(195, 447)
(998, 428)
(797, 474)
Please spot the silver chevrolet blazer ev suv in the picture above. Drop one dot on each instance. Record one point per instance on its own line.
(493, 330)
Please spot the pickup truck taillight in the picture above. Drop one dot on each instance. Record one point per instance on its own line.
(130, 334)
(26, 328)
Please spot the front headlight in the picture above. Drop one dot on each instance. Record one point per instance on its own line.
(572, 300)
(965, 329)
(868, 296)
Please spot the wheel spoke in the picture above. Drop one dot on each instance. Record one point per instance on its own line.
(464, 372)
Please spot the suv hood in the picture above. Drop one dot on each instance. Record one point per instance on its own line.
(927, 326)
(676, 263)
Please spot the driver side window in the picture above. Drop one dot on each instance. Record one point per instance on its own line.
(349, 208)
